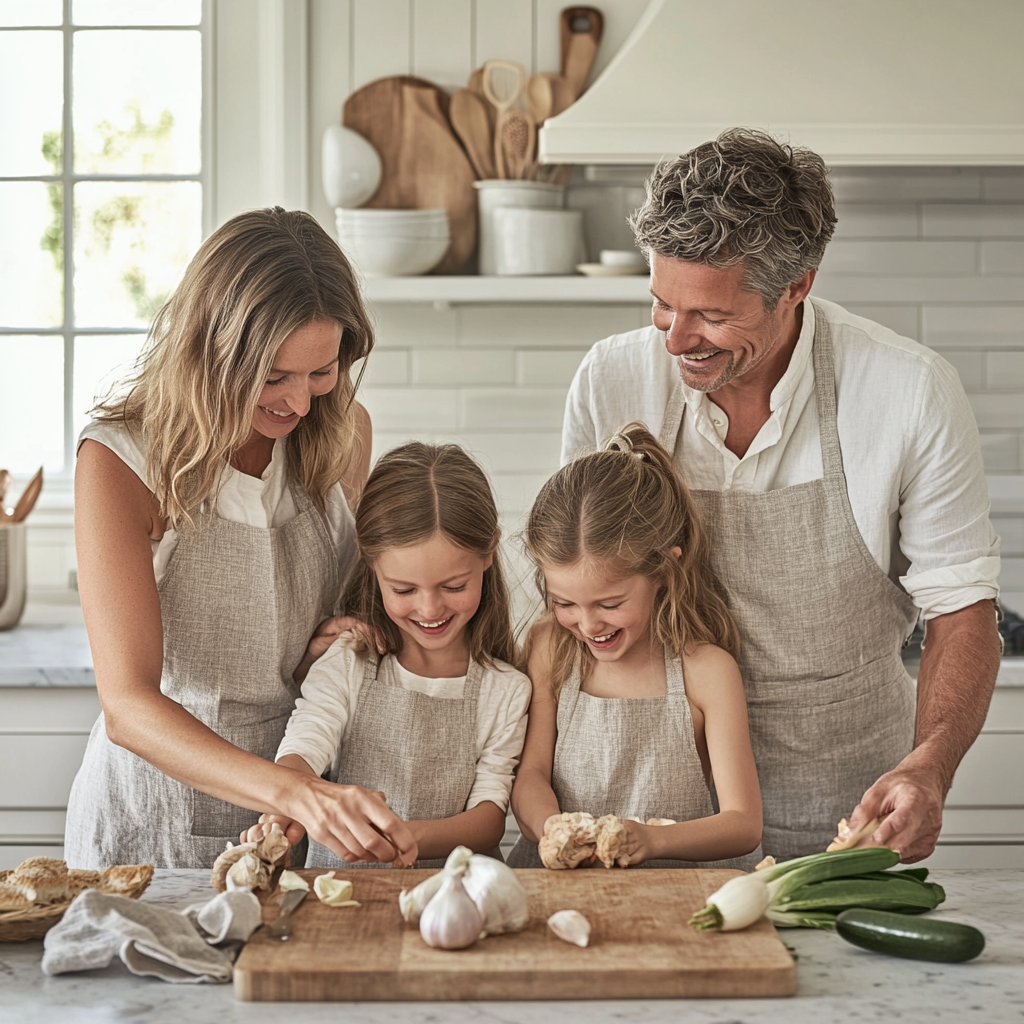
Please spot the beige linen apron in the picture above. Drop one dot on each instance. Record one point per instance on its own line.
(420, 751)
(239, 604)
(635, 757)
(821, 627)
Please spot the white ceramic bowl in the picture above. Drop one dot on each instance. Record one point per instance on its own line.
(350, 167)
(393, 255)
(623, 258)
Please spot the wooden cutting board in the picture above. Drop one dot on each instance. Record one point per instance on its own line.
(641, 946)
(423, 166)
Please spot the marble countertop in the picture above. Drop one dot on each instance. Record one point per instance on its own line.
(50, 648)
(836, 982)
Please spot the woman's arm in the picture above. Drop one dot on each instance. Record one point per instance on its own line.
(480, 828)
(533, 799)
(115, 519)
(719, 710)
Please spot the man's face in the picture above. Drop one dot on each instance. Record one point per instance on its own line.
(716, 329)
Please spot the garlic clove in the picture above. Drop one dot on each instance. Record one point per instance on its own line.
(451, 919)
(498, 894)
(570, 926)
(248, 872)
(290, 880)
(412, 902)
(335, 892)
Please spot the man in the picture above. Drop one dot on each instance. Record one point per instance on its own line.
(839, 471)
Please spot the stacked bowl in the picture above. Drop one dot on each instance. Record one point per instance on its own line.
(393, 243)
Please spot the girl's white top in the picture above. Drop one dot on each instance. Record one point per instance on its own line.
(320, 722)
(265, 501)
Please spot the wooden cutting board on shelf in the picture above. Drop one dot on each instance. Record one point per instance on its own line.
(640, 948)
(423, 166)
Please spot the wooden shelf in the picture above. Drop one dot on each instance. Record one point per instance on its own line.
(470, 288)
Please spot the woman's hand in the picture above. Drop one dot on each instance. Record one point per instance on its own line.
(293, 830)
(326, 633)
(356, 824)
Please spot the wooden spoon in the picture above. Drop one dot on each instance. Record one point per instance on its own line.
(503, 84)
(28, 497)
(540, 98)
(581, 30)
(518, 136)
(471, 122)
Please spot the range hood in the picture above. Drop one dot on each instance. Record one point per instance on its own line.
(862, 82)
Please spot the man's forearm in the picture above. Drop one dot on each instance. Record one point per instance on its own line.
(958, 671)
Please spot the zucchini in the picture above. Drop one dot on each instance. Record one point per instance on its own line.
(914, 938)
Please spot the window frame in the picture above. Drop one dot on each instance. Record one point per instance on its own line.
(60, 484)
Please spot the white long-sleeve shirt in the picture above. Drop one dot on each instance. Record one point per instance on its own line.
(323, 715)
(910, 445)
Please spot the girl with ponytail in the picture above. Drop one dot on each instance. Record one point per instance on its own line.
(638, 707)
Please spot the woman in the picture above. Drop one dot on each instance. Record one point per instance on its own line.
(213, 530)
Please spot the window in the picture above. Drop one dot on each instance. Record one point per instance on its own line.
(101, 202)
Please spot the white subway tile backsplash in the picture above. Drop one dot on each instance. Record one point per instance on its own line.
(1004, 184)
(385, 440)
(547, 366)
(451, 366)
(973, 220)
(384, 366)
(995, 410)
(526, 409)
(1006, 371)
(412, 409)
(891, 185)
(406, 325)
(1000, 451)
(877, 220)
(543, 326)
(515, 492)
(515, 452)
(1002, 257)
(1011, 574)
(901, 319)
(900, 258)
(855, 287)
(974, 326)
(970, 365)
(1006, 492)
(1011, 534)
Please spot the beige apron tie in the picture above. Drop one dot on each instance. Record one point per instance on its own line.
(821, 628)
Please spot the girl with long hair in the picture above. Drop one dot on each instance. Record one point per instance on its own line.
(435, 718)
(214, 537)
(638, 707)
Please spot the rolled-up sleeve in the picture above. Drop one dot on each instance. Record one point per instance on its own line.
(502, 727)
(945, 531)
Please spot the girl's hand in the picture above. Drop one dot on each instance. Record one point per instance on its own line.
(292, 829)
(326, 633)
(642, 842)
(357, 824)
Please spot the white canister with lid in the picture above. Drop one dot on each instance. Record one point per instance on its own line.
(500, 192)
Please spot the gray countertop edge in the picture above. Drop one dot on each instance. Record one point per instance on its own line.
(836, 982)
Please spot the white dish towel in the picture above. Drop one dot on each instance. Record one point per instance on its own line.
(151, 940)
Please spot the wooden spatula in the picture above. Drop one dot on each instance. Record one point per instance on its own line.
(28, 497)
(518, 137)
(503, 83)
(472, 124)
(581, 30)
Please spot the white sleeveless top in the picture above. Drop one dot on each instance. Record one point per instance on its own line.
(264, 502)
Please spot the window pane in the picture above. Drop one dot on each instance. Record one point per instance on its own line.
(31, 102)
(31, 12)
(132, 242)
(100, 363)
(136, 12)
(31, 403)
(31, 254)
(137, 102)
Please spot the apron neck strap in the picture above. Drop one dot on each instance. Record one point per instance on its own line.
(825, 396)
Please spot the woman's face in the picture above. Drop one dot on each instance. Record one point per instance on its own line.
(610, 614)
(431, 589)
(306, 364)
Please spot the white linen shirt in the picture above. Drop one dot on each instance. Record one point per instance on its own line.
(909, 440)
(321, 721)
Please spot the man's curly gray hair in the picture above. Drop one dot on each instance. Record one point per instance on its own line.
(743, 199)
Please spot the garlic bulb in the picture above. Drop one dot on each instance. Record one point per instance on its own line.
(248, 872)
(570, 926)
(494, 888)
(412, 902)
(451, 919)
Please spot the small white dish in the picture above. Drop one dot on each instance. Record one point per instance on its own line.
(604, 270)
(350, 167)
(624, 258)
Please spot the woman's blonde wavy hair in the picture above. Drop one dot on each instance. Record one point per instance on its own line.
(414, 492)
(210, 350)
(622, 510)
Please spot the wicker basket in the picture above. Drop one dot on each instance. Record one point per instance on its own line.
(34, 923)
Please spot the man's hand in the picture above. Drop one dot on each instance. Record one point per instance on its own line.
(910, 800)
